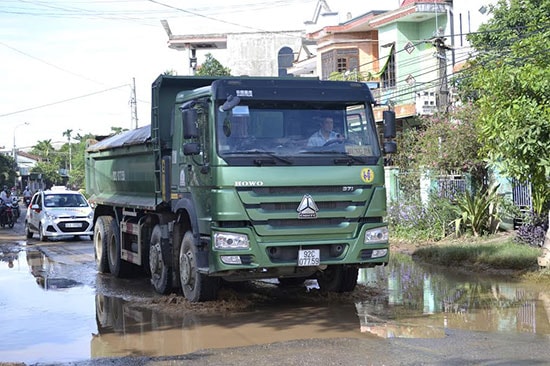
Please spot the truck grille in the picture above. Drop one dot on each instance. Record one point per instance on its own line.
(274, 210)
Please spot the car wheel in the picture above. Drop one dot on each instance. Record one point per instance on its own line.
(41, 235)
(28, 231)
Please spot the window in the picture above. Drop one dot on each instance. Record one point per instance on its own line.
(285, 60)
(340, 60)
(388, 76)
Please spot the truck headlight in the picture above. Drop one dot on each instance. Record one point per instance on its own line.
(377, 236)
(231, 241)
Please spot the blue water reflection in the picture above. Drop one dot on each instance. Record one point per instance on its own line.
(43, 318)
(423, 301)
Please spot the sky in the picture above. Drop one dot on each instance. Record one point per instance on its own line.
(72, 64)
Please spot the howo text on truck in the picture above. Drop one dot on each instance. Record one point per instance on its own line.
(223, 185)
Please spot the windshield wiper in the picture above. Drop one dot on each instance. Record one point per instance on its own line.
(345, 159)
(270, 154)
(349, 160)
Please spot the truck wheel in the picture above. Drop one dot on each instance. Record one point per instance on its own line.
(338, 278)
(117, 266)
(160, 267)
(196, 286)
(102, 233)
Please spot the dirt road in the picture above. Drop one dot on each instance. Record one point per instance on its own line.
(450, 347)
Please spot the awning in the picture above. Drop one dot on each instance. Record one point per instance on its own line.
(386, 62)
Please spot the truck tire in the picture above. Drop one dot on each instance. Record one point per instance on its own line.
(338, 278)
(102, 233)
(160, 267)
(118, 267)
(196, 287)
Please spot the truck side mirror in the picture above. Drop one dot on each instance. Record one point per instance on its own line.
(190, 129)
(390, 147)
(389, 124)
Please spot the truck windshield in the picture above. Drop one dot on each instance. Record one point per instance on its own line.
(283, 134)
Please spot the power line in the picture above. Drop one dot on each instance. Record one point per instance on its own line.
(63, 101)
(48, 63)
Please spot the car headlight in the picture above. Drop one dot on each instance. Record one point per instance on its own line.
(91, 215)
(231, 241)
(377, 236)
(50, 215)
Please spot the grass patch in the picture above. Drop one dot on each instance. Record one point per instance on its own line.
(500, 255)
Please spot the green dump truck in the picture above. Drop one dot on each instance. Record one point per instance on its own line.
(234, 180)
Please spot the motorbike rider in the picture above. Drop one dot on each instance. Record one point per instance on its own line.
(27, 194)
(4, 196)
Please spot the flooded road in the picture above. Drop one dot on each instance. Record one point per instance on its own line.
(54, 307)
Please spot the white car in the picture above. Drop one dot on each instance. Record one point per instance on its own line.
(56, 213)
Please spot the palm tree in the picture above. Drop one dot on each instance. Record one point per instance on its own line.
(43, 149)
(68, 134)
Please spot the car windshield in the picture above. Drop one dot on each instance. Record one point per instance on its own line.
(291, 133)
(64, 200)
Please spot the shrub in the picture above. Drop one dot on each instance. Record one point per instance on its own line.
(410, 219)
(479, 213)
(533, 229)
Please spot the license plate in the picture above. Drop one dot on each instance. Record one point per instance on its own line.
(309, 257)
(73, 224)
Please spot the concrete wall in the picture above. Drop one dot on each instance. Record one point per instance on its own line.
(256, 54)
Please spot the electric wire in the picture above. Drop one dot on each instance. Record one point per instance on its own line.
(64, 100)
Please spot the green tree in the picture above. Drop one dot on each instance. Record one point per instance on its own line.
(212, 67)
(52, 161)
(50, 173)
(117, 130)
(350, 76)
(7, 173)
(509, 81)
(44, 149)
(441, 144)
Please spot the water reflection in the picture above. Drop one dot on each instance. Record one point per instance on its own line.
(71, 322)
(423, 301)
(44, 271)
(126, 328)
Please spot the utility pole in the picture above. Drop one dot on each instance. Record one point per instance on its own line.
(192, 60)
(442, 97)
(133, 104)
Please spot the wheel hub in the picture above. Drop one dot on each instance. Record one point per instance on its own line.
(155, 258)
(185, 269)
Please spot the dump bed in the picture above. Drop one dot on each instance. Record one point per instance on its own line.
(108, 179)
(110, 182)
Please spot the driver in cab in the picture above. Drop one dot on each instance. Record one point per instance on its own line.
(325, 134)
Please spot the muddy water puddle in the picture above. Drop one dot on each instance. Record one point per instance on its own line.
(51, 318)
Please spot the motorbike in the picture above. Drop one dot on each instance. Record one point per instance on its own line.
(15, 207)
(27, 201)
(7, 218)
